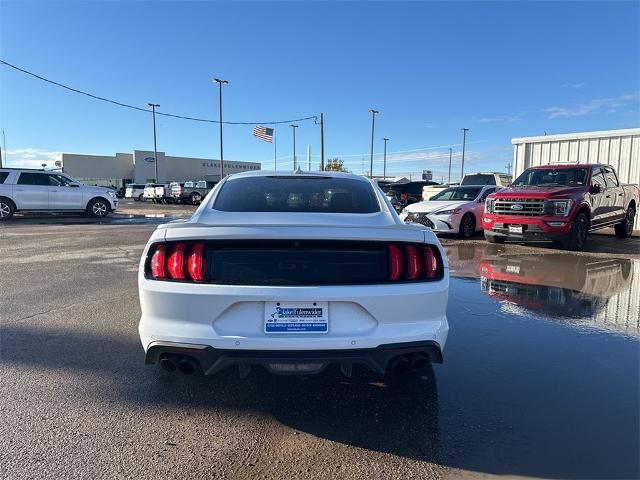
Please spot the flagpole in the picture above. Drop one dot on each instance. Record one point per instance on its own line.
(275, 149)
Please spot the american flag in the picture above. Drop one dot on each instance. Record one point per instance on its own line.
(263, 133)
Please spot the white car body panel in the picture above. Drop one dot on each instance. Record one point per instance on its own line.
(449, 223)
(231, 317)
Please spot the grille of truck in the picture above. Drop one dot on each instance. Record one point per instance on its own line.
(530, 207)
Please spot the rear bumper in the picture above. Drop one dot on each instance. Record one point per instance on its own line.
(212, 360)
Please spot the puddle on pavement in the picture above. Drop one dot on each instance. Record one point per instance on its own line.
(584, 291)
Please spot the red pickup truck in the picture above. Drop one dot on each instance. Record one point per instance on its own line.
(561, 203)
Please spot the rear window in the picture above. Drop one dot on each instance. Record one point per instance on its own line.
(296, 194)
(479, 180)
(3, 176)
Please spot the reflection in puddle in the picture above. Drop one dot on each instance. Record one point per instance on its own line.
(580, 289)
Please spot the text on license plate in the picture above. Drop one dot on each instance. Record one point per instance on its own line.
(296, 317)
(515, 228)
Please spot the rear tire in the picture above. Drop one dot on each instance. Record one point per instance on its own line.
(141, 198)
(98, 208)
(625, 228)
(7, 209)
(578, 236)
(468, 225)
(494, 238)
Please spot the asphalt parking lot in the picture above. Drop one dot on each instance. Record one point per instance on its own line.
(541, 373)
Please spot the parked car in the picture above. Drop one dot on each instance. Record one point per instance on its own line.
(454, 210)
(481, 178)
(135, 191)
(153, 192)
(279, 289)
(163, 193)
(191, 192)
(26, 190)
(402, 194)
(561, 203)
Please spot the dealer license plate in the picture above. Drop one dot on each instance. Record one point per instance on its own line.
(515, 229)
(296, 317)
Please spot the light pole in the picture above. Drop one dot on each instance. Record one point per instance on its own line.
(295, 160)
(155, 147)
(373, 127)
(464, 142)
(220, 83)
(450, 152)
(384, 174)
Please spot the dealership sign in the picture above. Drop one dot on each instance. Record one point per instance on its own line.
(149, 159)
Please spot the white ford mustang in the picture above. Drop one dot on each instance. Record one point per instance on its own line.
(455, 210)
(293, 271)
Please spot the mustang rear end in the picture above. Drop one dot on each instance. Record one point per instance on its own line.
(293, 272)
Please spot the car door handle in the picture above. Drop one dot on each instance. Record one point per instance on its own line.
(607, 196)
(55, 190)
(19, 189)
(621, 194)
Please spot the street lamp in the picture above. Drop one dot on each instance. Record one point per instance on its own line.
(155, 148)
(373, 127)
(464, 141)
(220, 83)
(384, 175)
(293, 128)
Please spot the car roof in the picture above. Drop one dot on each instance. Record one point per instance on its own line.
(568, 165)
(299, 173)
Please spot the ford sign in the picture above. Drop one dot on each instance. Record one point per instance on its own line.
(516, 206)
(149, 159)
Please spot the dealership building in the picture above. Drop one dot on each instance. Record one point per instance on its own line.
(139, 167)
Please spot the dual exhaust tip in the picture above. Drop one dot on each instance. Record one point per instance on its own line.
(185, 364)
(412, 361)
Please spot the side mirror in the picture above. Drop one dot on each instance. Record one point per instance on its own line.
(594, 189)
(74, 185)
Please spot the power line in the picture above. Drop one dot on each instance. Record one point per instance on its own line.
(141, 109)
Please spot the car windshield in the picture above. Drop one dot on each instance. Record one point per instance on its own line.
(479, 179)
(547, 177)
(457, 194)
(296, 194)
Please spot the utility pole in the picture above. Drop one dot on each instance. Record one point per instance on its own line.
(384, 174)
(4, 148)
(464, 142)
(220, 83)
(373, 127)
(450, 152)
(508, 165)
(295, 159)
(155, 147)
(321, 141)
(309, 157)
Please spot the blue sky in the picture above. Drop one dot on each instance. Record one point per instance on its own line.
(501, 69)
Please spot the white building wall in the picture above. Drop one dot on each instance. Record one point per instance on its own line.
(619, 148)
(119, 166)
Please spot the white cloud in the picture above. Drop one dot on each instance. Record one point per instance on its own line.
(598, 105)
(30, 157)
(515, 118)
(573, 85)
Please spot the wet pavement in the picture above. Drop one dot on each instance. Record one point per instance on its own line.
(541, 377)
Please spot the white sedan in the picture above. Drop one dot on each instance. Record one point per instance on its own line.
(293, 271)
(455, 210)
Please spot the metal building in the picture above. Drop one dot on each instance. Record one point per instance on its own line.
(139, 167)
(619, 148)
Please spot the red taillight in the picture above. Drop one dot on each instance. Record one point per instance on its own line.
(430, 262)
(395, 263)
(157, 261)
(195, 263)
(175, 262)
(414, 262)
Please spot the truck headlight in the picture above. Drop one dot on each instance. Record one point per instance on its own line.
(558, 208)
(488, 206)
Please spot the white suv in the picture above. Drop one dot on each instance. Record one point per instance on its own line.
(25, 190)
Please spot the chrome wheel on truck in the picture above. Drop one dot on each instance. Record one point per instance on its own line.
(625, 228)
(6, 209)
